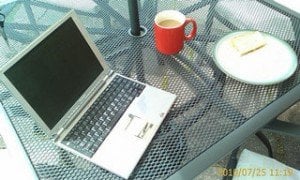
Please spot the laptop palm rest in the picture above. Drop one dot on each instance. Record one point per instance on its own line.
(126, 143)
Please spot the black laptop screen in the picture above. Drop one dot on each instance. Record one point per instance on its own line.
(55, 73)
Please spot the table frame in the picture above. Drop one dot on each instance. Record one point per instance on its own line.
(221, 148)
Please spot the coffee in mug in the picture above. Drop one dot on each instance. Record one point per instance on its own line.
(169, 23)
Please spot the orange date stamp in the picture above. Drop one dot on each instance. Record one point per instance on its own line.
(254, 172)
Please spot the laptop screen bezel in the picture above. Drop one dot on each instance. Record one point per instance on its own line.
(84, 98)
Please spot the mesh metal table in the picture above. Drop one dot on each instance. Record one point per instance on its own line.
(212, 115)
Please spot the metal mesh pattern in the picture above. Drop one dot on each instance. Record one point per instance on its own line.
(209, 105)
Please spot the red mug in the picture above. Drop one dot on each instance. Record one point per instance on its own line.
(169, 31)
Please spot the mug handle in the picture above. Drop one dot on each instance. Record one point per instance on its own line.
(193, 31)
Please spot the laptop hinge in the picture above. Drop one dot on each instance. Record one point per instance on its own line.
(60, 131)
(109, 74)
(58, 134)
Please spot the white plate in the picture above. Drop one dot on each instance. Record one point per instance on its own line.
(271, 64)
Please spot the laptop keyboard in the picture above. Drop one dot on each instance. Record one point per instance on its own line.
(91, 130)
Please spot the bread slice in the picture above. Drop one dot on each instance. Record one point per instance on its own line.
(248, 42)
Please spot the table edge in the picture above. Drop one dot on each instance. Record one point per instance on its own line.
(282, 8)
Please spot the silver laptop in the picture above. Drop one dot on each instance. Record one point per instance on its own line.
(66, 86)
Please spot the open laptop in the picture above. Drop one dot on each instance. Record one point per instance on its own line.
(66, 86)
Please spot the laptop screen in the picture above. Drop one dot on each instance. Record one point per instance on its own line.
(55, 73)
